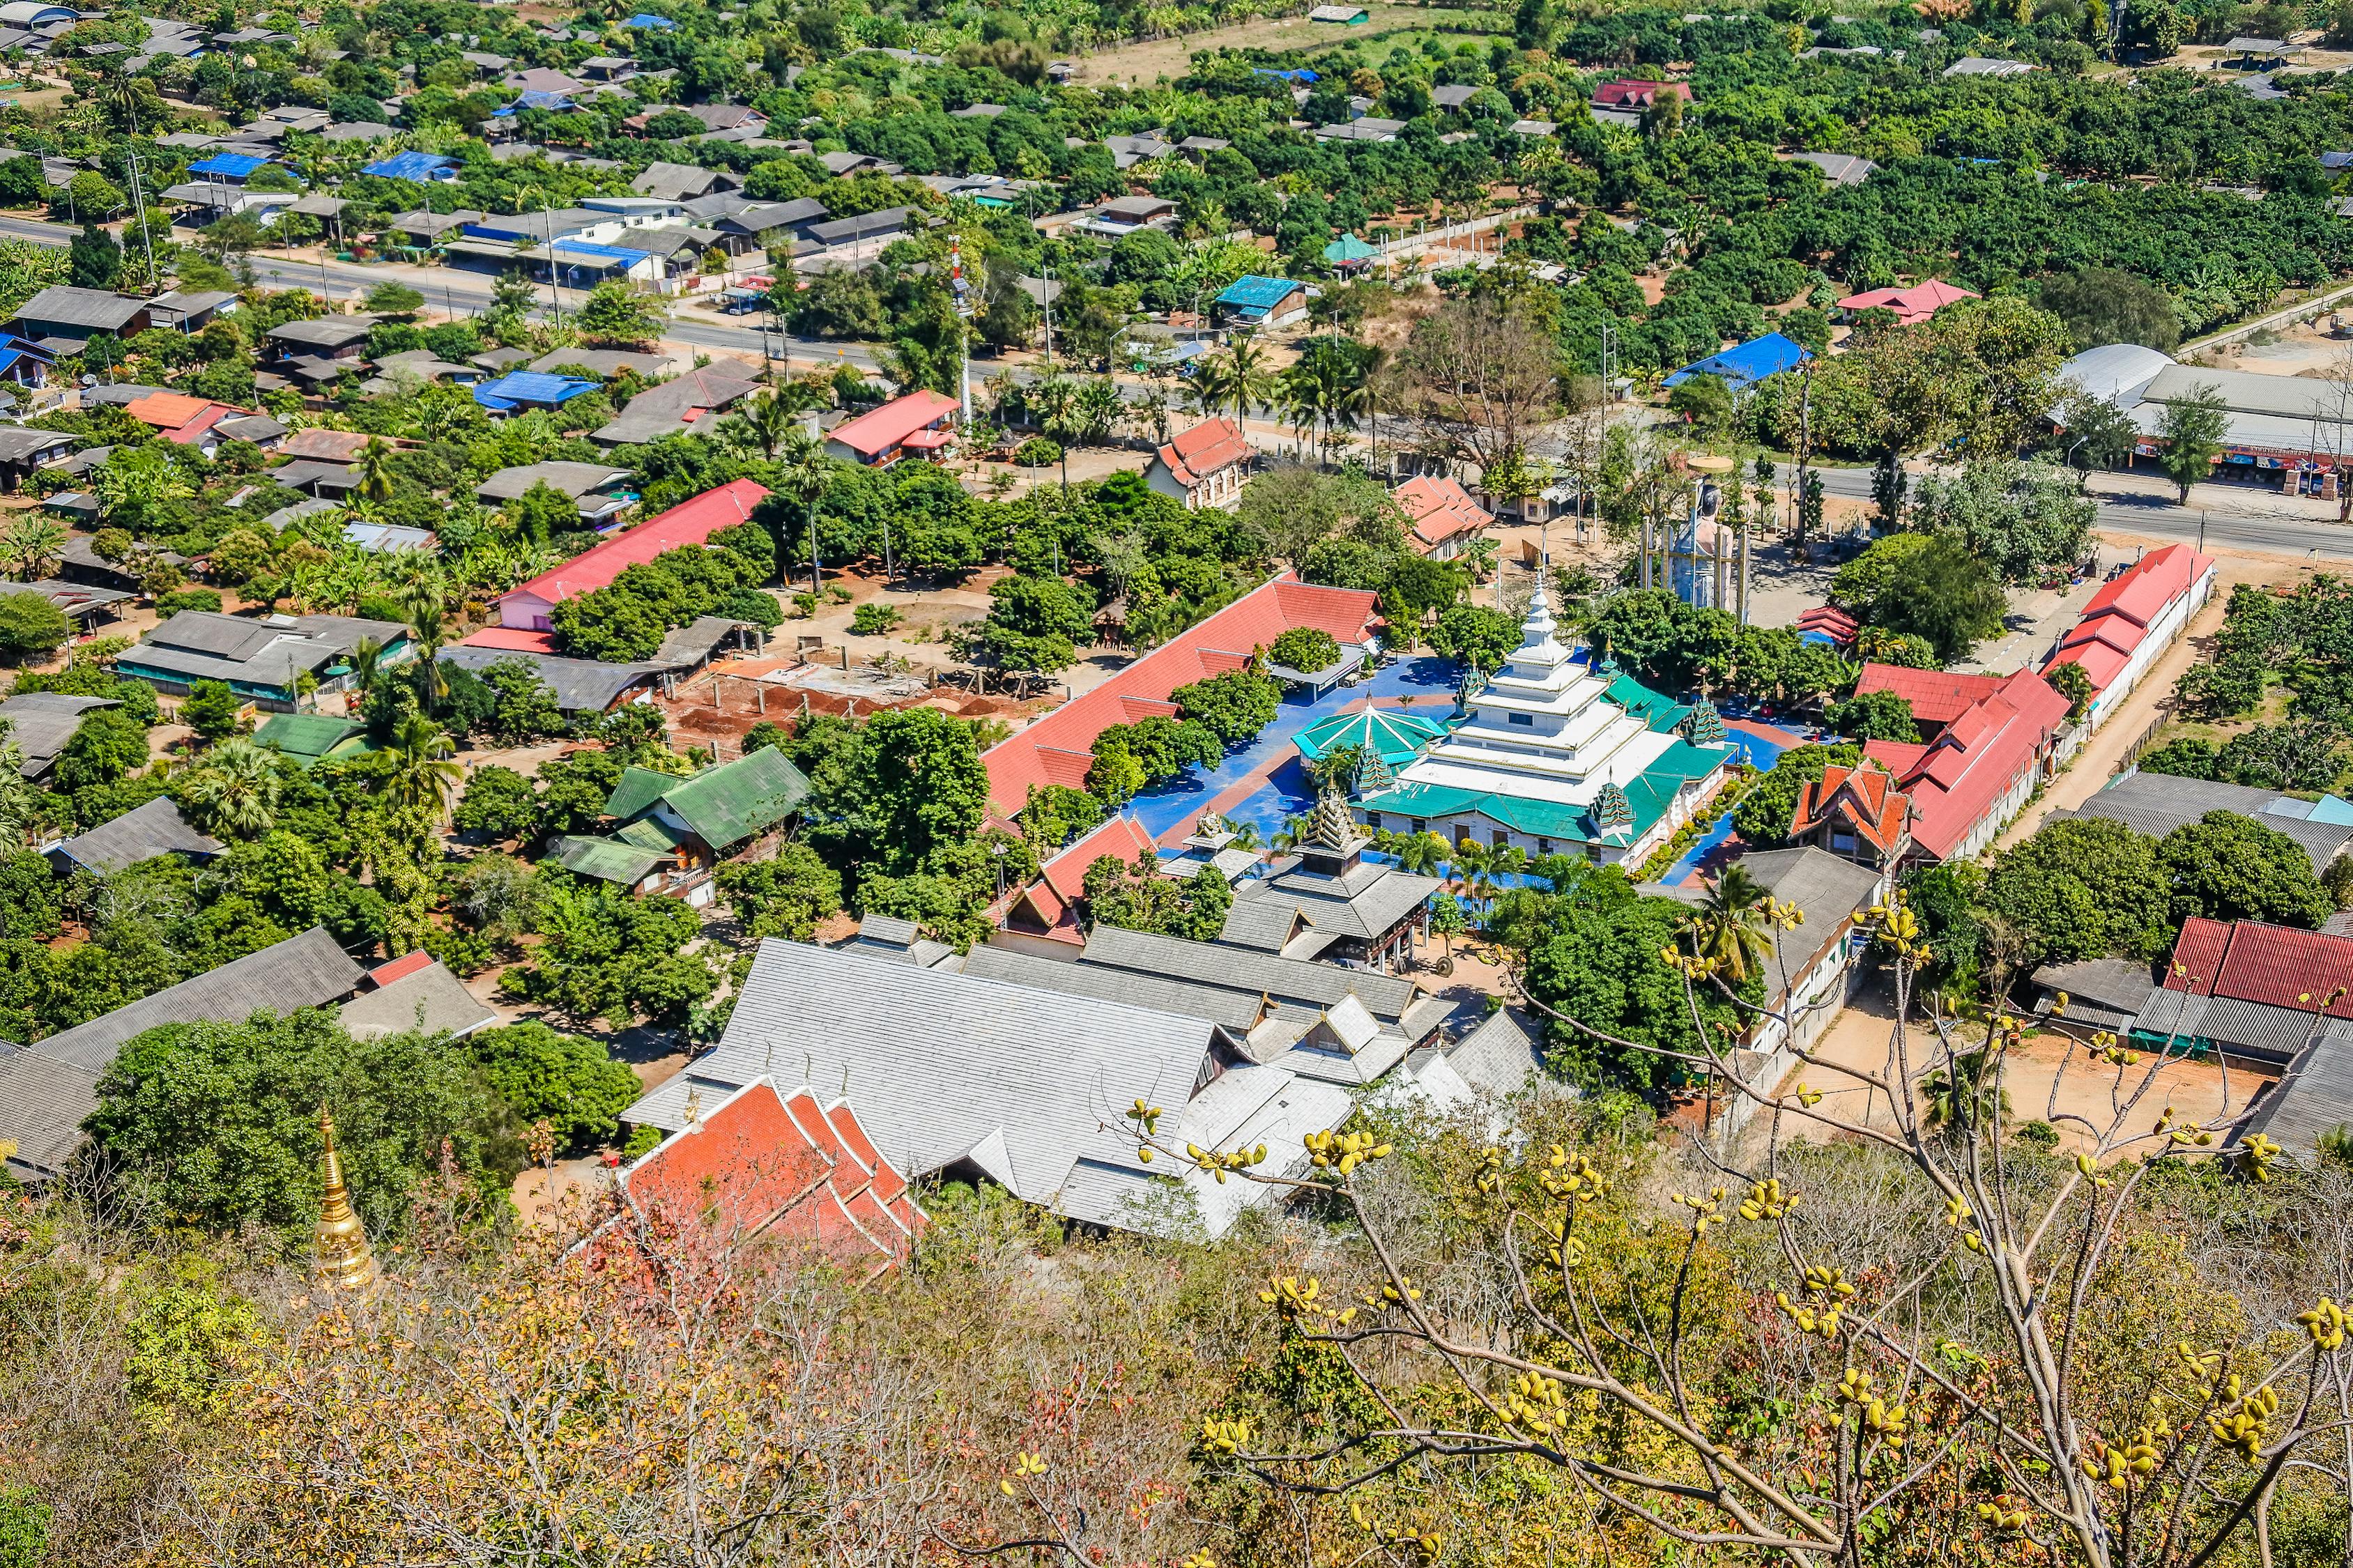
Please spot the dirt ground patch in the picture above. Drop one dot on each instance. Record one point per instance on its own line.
(1156, 58)
(2043, 1082)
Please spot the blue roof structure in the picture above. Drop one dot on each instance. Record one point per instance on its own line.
(644, 19)
(1301, 74)
(230, 165)
(1253, 294)
(423, 168)
(619, 253)
(534, 99)
(1752, 361)
(531, 387)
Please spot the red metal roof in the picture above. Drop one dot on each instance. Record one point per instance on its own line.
(2248, 961)
(689, 522)
(167, 410)
(1122, 837)
(383, 974)
(786, 1168)
(1957, 779)
(2119, 616)
(1629, 94)
(1058, 747)
(1440, 508)
(514, 639)
(874, 433)
(1194, 455)
(1830, 622)
(1911, 305)
(1938, 696)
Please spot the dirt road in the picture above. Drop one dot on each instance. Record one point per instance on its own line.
(1152, 58)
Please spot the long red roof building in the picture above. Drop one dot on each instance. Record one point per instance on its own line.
(1981, 762)
(528, 606)
(1059, 748)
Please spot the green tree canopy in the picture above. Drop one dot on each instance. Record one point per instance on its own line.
(567, 1081)
(2227, 866)
(218, 1124)
(2084, 888)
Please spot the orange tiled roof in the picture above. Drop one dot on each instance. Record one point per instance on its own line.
(1865, 797)
(786, 1168)
(1212, 445)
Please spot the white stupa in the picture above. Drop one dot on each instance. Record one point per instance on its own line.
(1558, 756)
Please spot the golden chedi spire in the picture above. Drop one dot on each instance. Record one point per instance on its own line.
(345, 1263)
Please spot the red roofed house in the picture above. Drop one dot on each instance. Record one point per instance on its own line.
(1444, 516)
(1043, 917)
(781, 1169)
(2269, 987)
(530, 607)
(1984, 761)
(2132, 620)
(181, 419)
(1857, 814)
(1204, 466)
(1912, 306)
(1629, 94)
(1059, 748)
(917, 423)
(1938, 696)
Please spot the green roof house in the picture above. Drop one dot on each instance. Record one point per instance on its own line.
(688, 824)
(313, 738)
(1349, 252)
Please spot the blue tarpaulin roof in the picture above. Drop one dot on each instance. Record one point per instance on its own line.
(1301, 74)
(420, 167)
(531, 387)
(648, 19)
(230, 165)
(1256, 293)
(537, 99)
(1751, 362)
(619, 253)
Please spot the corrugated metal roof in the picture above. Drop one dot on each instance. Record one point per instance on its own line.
(431, 1001)
(606, 859)
(733, 802)
(946, 1067)
(140, 834)
(305, 970)
(1301, 983)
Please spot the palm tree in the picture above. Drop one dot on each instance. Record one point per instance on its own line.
(34, 546)
(423, 604)
(1098, 409)
(373, 470)
(422, 778)
(763, 422)
(235, 794)
(1420, 853)
(365, 655)
(804, 473)
(1250, 378)
(1210, 388)
(1730, 924)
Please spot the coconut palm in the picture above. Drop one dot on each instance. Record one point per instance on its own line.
(423, 604)
(235, 794)
(422, 778)
(33, 545)
(366, 653)
(1420, 853)
(761, 423)
(1251, 381)
(373, 470)
(1730, 924)
(804, 473)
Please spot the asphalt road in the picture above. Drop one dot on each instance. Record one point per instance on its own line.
(2289, 533)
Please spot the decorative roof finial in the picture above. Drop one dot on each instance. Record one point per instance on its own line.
(345, 1262)
(1331, 826)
